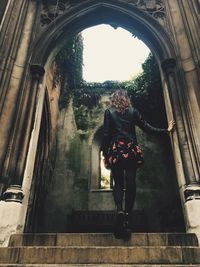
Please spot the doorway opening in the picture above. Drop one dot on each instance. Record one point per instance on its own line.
(74, 191)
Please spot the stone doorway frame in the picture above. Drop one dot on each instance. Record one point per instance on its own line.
(119, 13)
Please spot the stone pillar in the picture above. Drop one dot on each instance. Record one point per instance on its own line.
(182, 144)
(30, 160)
(192, 208)
(185, 29)
(14, 205)
(191, 175)
(15, 96)
(37, 72)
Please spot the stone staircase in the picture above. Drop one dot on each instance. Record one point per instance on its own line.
(142, 250)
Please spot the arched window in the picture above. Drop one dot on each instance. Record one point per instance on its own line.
(101, 178)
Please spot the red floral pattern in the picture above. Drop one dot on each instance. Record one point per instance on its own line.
(123, 149)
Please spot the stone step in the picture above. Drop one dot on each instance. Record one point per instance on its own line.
(142, 239)
(173, 255)
(95, 265)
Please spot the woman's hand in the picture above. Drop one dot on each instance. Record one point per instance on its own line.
(171, 126)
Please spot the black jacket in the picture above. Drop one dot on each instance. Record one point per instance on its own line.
(118, 124)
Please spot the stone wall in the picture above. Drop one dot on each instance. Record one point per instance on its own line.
(75, 188)
(32, 33)
(2, 9)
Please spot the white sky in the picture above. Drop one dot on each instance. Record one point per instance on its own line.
(111, 54)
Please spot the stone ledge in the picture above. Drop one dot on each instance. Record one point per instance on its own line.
(95, 265)
(101, 255)
(103, 239)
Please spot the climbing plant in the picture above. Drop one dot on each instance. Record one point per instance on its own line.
(70, 60)
(70, 65)
(145, 92)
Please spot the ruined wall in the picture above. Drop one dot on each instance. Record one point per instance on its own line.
(31, 33)
(72, 187)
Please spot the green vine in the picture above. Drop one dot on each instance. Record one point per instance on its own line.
(145, 92)
(70, 65)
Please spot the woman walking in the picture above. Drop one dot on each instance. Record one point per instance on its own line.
(122, 154)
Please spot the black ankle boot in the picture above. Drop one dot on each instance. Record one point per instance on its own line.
(127, 226)
(119, 224)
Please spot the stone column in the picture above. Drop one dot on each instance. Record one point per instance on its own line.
(182, 146)
(37, 72)
(33, 144)
(15, 96)
(14, 205)
(185, 28)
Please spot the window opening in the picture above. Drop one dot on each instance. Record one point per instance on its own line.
(106, 180)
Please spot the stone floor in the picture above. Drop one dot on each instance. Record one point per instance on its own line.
(73, 249)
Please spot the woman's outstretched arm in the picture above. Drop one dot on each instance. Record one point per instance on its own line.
(145, 126)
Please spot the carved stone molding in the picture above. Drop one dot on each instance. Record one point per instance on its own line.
(192, 191)
(37, 71)
(155, 8)
(168, 65)
(53, 8)
(13, 194)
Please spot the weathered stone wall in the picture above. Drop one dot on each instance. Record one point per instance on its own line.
(61, 192)
(33, 31)
(73, 188)
(53, 91)
(2, 9)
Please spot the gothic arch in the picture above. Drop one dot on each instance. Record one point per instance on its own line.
(117, 13)
(159, 38)
(169, 28)
(91, 13)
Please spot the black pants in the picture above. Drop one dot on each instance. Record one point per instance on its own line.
(124, 174)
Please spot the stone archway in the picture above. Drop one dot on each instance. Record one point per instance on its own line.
(116, 13)
(159, 25)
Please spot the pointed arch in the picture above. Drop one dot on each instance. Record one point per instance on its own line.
(90, 14)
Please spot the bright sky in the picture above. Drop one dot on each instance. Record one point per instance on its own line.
(111, 54)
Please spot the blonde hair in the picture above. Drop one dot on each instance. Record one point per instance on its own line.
(120, 100)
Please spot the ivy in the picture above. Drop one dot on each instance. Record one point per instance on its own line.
(70, 60)
(70, 64)
(145, 90)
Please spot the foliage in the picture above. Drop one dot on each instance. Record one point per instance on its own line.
(70, 60)
(70, 64)
(74, 155)
(86, 117)
(105, 182)
(82, 117)
(89, 98)
(145, 92)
